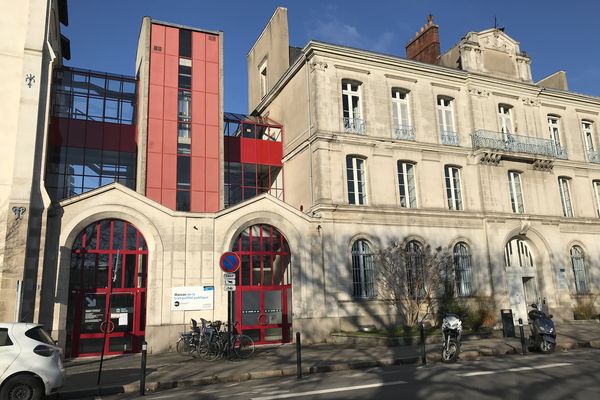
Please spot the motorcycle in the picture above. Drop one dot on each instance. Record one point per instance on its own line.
(543, 333)
(451, 333)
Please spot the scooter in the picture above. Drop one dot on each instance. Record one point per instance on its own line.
(543, 333)
(451, 333)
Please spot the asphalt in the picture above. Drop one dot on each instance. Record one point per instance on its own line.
(121, 374)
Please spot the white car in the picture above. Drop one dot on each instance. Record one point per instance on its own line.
(30, 362)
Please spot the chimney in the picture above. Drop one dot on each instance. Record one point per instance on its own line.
(425, 46)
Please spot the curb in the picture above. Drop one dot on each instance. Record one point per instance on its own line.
(432, 356)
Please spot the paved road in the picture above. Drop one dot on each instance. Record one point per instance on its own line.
(570, 375)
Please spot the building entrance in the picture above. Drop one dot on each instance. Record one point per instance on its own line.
(107, 305)
(263, 299)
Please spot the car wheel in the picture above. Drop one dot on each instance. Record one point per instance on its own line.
(22, 387)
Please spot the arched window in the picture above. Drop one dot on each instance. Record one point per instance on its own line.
(578, 262)
(462, 269)
(363, 282)
(415, 275)
(518, 254)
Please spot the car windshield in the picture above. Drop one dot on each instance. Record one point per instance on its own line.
(40, 335)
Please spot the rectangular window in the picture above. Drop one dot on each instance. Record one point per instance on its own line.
(516, 194)
(453, 190)
(588, 133)
(597, 194)
(565, 197)
(183, 172)
(401, 115)
(185, 75)
(355, 169)
(553, 127)
(183, 200)
(505, 120)
(185, 43)
(351, 107)
(263, 78)
(446, 115)
(184, 105)
(406, 182)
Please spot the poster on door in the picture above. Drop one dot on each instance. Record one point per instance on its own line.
(192, 298)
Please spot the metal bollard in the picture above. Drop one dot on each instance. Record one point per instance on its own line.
(522, 332)
(143, 370)
(423, 354)
(298, 356)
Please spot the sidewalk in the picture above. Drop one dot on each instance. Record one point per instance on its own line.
(167, 370)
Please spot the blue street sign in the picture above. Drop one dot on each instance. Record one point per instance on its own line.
(230, 262)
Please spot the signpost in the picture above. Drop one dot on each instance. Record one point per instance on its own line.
(229, 263)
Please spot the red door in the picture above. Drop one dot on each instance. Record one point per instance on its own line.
(263, 297)
(108, 289)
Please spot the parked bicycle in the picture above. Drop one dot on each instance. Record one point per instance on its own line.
(216, 342)
(188, 341)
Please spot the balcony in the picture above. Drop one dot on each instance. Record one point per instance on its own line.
(404, 132)
(517, 144)
(354, 125)
(450, 138)
(594, 156)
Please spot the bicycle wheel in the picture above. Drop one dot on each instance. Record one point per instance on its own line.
(183, 346)
(243, 346)
(209, 351)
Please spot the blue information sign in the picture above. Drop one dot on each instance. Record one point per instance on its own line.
(230, 262)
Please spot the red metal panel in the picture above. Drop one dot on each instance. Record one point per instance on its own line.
(212, 202)
(128, 142)
(93, 135)
(169, 137)
(248, 150)
(198, 140)
(262, 153)
(155, 135)
(197, 203)
(172, 41)
(112, 133)
(171, 71)
(153, 194)
(212, 141)
(198, 46)
(76, 137)
(170, 99)
(275, 153)
(232, 149)
(155, 102)
(169, 197)
(212, 175)
(157, 68)
(212, 109)
(59, 128)
(212, 48)
(198, 107)
(198, 75)
(212, 77)
(197, 178)
(157, 35)
(154, 171)
(169, 171)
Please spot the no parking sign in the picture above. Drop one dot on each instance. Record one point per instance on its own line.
(230, 262)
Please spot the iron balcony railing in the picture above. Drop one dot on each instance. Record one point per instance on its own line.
(594, 156)
(354, 125)
(404, 132)
(449, 138)
(483, 139)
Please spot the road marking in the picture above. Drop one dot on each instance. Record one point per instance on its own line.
(332, 390)
(517, 369)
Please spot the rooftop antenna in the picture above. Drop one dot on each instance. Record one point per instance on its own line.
(496, 25)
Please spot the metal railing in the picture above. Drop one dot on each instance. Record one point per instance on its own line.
(483, 139)
(594, 156)
(449, 138)
(404, 132)
(354, 125)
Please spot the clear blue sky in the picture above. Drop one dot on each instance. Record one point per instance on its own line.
(557, 34)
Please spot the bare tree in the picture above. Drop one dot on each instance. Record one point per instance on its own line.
(412, 278)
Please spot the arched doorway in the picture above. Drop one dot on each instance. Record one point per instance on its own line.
(522, 283)
(263, 299)
(107, 290)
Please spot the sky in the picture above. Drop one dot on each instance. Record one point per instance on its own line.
(557, 34)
